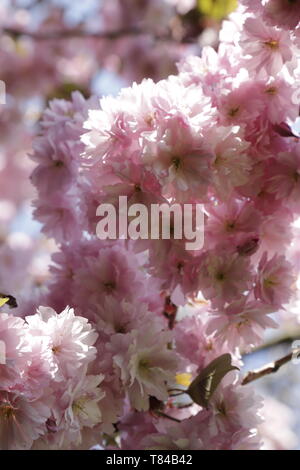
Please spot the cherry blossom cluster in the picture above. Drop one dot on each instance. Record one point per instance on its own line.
(149, 314)
(45, 386)
(34, 70)
(48, 65)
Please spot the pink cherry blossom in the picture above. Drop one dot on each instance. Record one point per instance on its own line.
(274, 280)
(71, 339)
(283, 13)
(12, 346)
(141, 318)
(151, 366)
(284, 178)
(224, 276)
(269, 48)
(241, 323)
(22, 421)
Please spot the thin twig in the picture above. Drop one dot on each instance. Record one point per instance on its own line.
(181, 390)
(270, 368)
(286, 338)
(71, 33)
(164, 415)
(79, 33)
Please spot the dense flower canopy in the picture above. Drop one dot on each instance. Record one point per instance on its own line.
(122, 324)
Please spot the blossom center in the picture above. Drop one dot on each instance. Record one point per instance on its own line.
(220, 276)
(176, 162)
(222, 408)
(149, 119)
(79, 406)
(180, 266)
(58, 164)
(271, 90)
(270, 282)
(119, 328)
(144, 364)
(233, 111)
(109, 285)
(272, 44)
(218, 160)
(6, 411)
(55, 349)
(230, 226)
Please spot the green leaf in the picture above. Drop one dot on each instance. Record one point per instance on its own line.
(3, 301)
(9, 300)
(205, 384)
(217, 9)
(64, 91)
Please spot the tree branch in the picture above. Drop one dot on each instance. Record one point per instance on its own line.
(79, 33)
(287, 338)
(270, 368)
(72, 33)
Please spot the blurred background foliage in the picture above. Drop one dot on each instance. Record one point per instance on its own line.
(36, 70)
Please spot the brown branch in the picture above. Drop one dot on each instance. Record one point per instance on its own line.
(71, 33)
(270, 368)
(79, 33)
(278, 340)
(164, 415)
